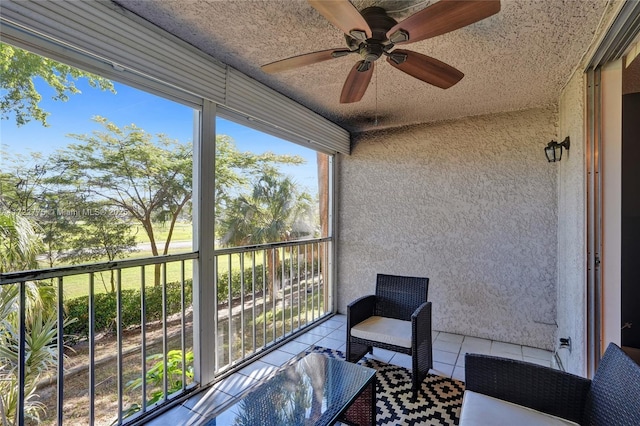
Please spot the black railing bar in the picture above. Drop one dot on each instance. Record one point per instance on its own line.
(322, 294)
(291, 285)
(60, 384)
(143, 335)
(215, 314)
(273, 290)
(183, 340)
(306, 284)
(313, 289)
(268, 246)
(298, 275)
(321, 278)
(165, 338)
(242, 331)
(282, 269)
(325, 274)
(119, 344)
(319, 254)
(62, 271)
(264, 296)
(229, 307)
(318, 272)
(22, 351)
(320, 269)
(92, 350)
(253, 297)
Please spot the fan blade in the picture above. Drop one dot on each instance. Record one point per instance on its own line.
(442, 17)
(343, 15)
(425, 68)
(303, 60)
(356, 83)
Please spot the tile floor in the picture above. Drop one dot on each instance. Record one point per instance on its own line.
(448, 360)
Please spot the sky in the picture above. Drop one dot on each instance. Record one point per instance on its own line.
(149, 112)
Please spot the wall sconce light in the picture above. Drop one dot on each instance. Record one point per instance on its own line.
(553, 150)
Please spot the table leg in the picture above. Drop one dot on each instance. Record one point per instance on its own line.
(363, 410)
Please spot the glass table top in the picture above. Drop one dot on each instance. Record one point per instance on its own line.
(315, 390)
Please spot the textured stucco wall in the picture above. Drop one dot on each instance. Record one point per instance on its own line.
(572, 272)
(471, 204)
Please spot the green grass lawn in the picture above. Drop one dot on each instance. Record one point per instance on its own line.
(78, 285)
(182, 231)
(131, 278)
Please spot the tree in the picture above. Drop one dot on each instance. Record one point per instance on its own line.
(104, 236)
(129, 170)
(24, 191)
(265, 215)
(59, 217)
(18, 70)
(235, 170)
(31, 189)
(23, 179)
(151, 177)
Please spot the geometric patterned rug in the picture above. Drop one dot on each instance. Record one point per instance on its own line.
(438, 403)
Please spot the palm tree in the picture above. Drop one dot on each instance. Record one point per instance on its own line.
(19, 245)
(268, 214)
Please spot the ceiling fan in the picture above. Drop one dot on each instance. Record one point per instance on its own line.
(373, 34)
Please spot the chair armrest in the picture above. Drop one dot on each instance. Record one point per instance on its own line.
(421, 322)
(360, 309)
(421, 334)
(422, 312)
(541, 388)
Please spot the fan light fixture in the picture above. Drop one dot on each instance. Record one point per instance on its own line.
(553, 150)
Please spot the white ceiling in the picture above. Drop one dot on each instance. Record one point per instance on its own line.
(517, 59)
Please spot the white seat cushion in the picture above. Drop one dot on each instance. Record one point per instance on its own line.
(384, 330)
(483, 410)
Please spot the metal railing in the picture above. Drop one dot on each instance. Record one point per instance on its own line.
(107, 365)
(143, 354)
(277, 290)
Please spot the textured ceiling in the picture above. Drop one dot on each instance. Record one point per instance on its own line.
(517, 59)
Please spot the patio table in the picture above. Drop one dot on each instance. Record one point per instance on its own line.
(315, 390)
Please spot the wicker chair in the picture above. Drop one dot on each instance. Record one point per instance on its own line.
(611, 398)
(397, 318)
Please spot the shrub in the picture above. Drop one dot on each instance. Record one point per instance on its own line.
(155, 378)
(106, 303)
(304, 265)
(236, 283)
(105, 308)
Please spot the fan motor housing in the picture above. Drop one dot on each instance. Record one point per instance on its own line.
(378, 21)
